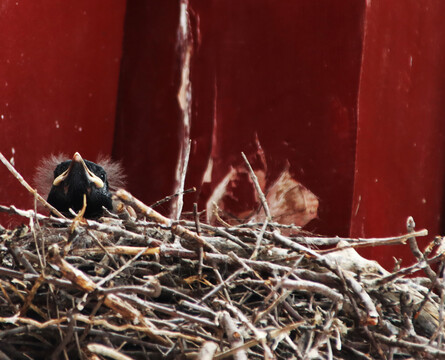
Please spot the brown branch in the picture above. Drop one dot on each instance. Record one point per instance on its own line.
(177, 229)
(29, 188)
(258, 188)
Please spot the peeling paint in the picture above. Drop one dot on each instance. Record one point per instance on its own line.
(183, 19)
(358, 205)
(12, 159)
(218, 193)
(185, 46)
(207, 177)
(289, 201)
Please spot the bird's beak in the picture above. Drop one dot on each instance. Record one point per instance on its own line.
(90, 176)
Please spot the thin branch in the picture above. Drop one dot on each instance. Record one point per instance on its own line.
(29, 188)
(258, 188)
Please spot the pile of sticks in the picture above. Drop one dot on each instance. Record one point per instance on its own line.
(148, 287)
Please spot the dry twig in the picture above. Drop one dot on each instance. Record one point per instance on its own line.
(241, 291)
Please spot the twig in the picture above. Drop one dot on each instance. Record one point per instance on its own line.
(258, 241)
(408, 270)
(170, 197)
(234, 336)
(258, 188)
(110, 229)
(107, 351)
(359, 243)
(155, 216)
(29, 188)
(198, 231)
(218, 287)
(260, 335)
(310, 287)
(410, 224)
(433, 353)
(207, 351)
(290, 285)
(112, 301)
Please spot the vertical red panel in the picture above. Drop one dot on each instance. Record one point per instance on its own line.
(58, 82)
(401, 127)
(148, 118)
(296, 74)
(286, 71)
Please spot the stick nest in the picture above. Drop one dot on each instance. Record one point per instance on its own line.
(148, 287)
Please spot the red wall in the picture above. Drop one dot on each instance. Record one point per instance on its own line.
(287, 71)
(292, 83)
(401, 122)
(147, 119)
(349, 94)
(59, 70)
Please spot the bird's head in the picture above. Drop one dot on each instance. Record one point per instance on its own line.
(71, 179)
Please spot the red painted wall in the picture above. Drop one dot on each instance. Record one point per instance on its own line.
(401, 123)
(147, 119)
(292, 83)
(286, 71)
(59, 70)
(349, 94)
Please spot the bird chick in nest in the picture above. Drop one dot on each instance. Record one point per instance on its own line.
(65, 182)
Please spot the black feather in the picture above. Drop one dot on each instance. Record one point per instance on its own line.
(69, 193)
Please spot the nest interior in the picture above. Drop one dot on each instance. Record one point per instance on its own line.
(139, 285)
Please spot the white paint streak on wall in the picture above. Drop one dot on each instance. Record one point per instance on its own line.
(12, 159)
(207, 178)
(185, 46)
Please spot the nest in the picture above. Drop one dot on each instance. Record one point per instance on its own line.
(146, 287)
(137, 285)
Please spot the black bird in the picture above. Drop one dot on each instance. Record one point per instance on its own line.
(75, 178)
